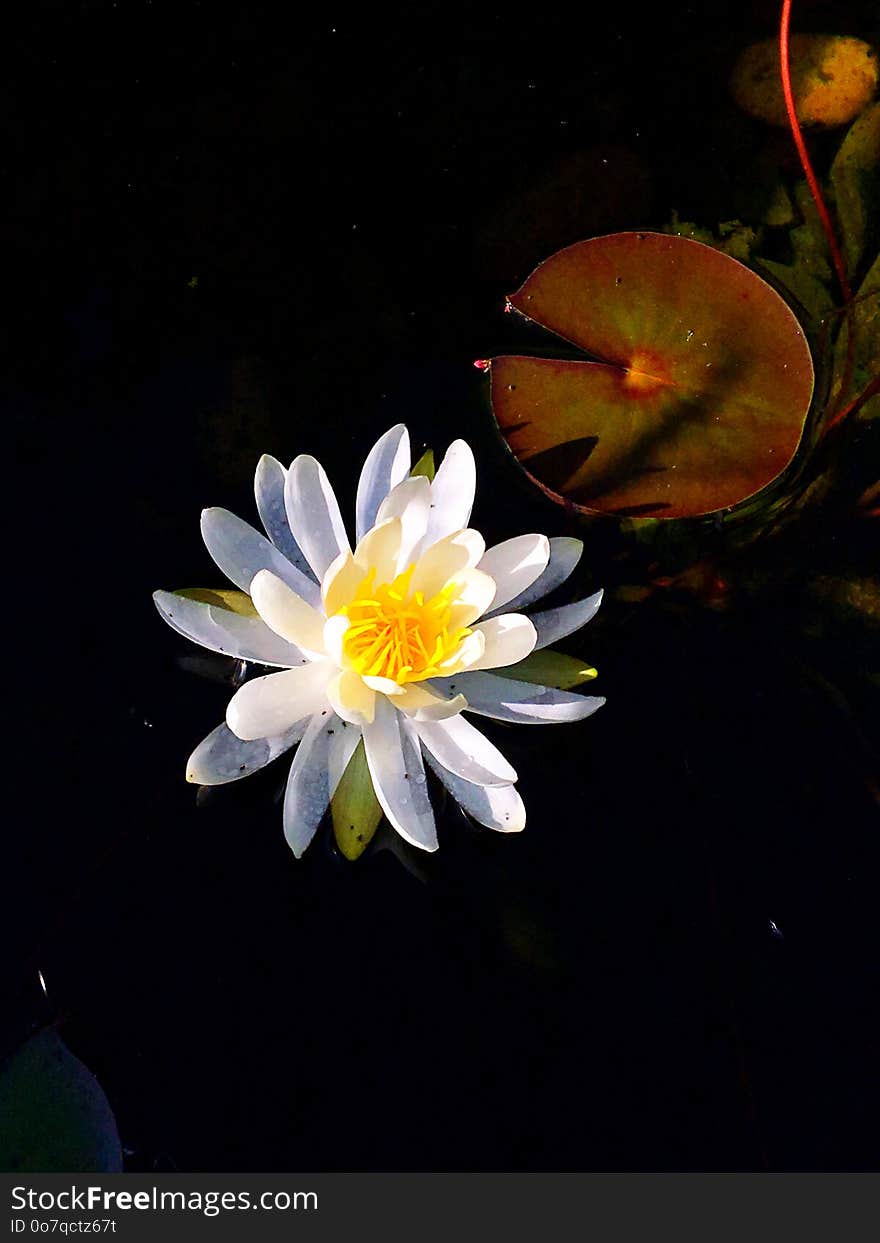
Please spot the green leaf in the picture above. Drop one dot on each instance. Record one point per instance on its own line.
(56, 1117)
(425, 465)
(699, 396)
(854, 182)
(221, 598)
(853, 372)
(803, 286)
(734, 238)
(849, 599)
(354, 807)
(549, 668)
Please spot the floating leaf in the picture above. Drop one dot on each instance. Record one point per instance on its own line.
(833, 77)
(701, 394)
(56, 1117)
(854, 182)
(221, 598)
(549, 668)
(425, 465)
(354, 807)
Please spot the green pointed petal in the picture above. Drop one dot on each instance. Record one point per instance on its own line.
(549, 668)
(425, 465)
(221, 598)
(355, 808)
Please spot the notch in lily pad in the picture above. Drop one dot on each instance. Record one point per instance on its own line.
(692, 391)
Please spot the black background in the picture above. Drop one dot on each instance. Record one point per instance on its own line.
(229, 231)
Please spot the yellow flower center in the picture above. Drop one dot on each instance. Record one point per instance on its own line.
(397, 634)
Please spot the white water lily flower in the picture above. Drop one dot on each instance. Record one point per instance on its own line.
(389, 642)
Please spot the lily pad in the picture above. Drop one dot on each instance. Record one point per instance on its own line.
(56, 1117)
(833, 77)
(700, 394)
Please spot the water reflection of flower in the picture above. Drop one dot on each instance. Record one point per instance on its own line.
(390, 643)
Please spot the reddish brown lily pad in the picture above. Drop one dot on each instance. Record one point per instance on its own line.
(700, 394)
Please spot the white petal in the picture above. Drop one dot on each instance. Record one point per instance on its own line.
(468, 652)
(565, 553)
(335, 630)
(275, 703)
(269, 492)
(422, 703)
(287, 613)
(341, 581)
(509, 638)
(241, 552)
(320, 761)
(398, 774)
(475, 592)
(379, 550)
(221, 630)
(555, 624)
(515, 565)
(387, 464)
(383, 686)
(313, 513)
(222, 757)
(523, 703)
(445, 560)
(452, 492)
(410, 501)
(497, 807)
(352, 700)
(466, 752)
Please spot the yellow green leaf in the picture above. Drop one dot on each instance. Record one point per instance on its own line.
(854, 181)
(851, 599)
(354, 807)
(801, 283)
(548, 668)
(234, 601)
(425, 465)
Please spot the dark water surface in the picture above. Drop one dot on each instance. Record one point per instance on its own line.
(228, 235)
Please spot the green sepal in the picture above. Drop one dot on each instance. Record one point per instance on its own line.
(425, 465)
(548, 668)
(354, 807)
(220, 598)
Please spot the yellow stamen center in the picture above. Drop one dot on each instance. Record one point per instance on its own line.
(398, 634)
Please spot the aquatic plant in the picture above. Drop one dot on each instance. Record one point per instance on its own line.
(717, 430)
(379, 651)
(705, 410)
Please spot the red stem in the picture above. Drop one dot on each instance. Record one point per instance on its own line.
(785, 72)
